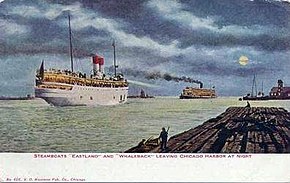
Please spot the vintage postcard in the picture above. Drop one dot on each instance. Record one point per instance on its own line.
(144, 90)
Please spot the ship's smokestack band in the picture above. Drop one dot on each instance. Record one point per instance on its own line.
(98, 63)
(95, 64)
(101, 63)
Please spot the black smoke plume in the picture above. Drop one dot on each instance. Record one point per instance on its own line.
(158, 75)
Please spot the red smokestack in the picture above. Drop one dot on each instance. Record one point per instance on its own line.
(98, 61)
(95, 63)
(101, 62)
(95, 59)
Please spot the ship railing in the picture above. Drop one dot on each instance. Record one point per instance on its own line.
(84, 81)
(81, 75)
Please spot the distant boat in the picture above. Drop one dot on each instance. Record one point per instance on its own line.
(254, 94)
(142, 95)
(28, 97)
(197, 93)
(277, 93)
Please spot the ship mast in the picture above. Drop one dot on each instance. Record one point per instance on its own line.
(254, 85)
(70, 45)
(262, 87)
(115, 66)
(256, 88)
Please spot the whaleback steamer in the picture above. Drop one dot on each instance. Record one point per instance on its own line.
(69, 88)
(196, 93)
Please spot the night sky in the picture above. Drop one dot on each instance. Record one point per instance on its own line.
(199, 39)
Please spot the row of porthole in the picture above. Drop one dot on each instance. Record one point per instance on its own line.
(121, 97)
(91, 98)
(88, 89)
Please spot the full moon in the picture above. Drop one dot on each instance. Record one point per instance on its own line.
(243, 60)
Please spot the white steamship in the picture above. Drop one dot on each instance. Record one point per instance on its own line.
(69, 88)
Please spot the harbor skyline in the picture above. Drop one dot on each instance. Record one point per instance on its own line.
(202, 40)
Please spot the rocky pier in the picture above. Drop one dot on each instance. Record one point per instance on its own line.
(237, 130)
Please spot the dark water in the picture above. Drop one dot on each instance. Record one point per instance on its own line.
(34, 126)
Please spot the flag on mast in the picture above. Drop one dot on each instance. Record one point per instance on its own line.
(41, 70)
(113, 44)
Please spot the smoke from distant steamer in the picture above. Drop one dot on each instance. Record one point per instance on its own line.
(158, 75)
(168, 77)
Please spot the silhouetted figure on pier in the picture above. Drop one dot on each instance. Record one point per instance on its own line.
(163, 136)
(248, 104)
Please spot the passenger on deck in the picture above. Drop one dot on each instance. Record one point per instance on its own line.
(163, 136)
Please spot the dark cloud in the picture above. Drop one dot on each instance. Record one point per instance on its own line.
(142, 21)
(260, 42)
(214, 69)
(151, 47)
(242, 12)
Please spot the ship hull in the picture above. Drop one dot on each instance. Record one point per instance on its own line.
(196, 97)
(257, 98)
(266, 98)
(83, 96)
(197, 93)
